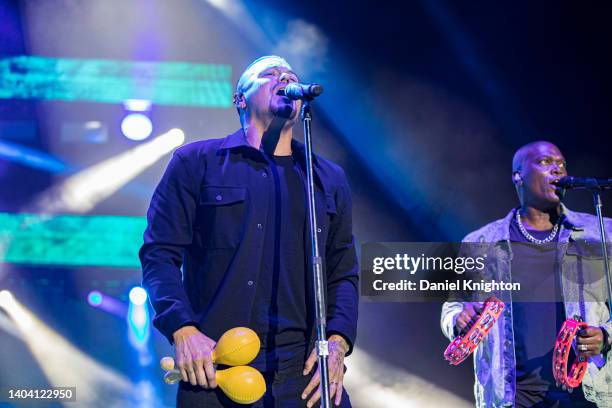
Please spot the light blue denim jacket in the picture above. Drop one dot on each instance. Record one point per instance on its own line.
(494, 359)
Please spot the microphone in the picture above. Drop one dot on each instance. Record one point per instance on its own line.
(297, 91)
(584, 183)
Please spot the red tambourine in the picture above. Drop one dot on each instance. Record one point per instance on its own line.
(464, 345)
(563, 344)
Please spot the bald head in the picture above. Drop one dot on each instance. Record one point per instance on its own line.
(535, 168)
(528, 150)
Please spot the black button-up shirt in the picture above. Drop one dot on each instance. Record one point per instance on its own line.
(208, 214)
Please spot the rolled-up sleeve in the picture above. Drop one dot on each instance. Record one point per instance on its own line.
(448, 318)
(169, 231)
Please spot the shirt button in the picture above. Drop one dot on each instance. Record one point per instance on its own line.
(318, 229)
(259, 226)
(218, 197)
(250, 283)
(264, 174)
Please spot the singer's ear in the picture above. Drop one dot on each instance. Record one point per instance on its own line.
(238, 100)
(516, 177)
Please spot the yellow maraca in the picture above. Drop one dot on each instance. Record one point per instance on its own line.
(242, 384)
(236, 347)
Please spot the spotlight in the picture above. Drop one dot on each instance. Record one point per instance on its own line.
(6, 298)
(136, 126)
(64, 364)
(383, 385)
(31, 157)
(82, 191)
(94, 298)
(137, 105)
(176, 137)
(138, 295)
(138, 323)
(92, 125)
(107, 303)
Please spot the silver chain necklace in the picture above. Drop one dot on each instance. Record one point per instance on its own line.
(527, 235)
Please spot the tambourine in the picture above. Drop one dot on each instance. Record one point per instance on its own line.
(464, 345)
(563, 344)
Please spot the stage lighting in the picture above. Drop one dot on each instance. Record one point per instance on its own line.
(6, 298)
(137, 105)
(94, 298)
(63, 364)
(41, 240)
(91, 132)
(136, 126)
(106, 303)
(175, 137)
(382, 384)
(82, 191)
(138, 295)
(31, 157)
(139, 324)
(172, 83)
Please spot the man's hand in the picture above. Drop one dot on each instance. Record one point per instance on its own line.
(338, 348)
(590, 342)
(468, 316)
(193, 352)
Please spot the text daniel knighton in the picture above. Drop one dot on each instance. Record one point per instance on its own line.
(467, 285)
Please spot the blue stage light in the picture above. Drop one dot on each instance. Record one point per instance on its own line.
(94, 298)
(138, 295)
(136, 126)
(31, 157)
(139, 324)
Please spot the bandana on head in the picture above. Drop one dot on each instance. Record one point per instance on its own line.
(259, 65)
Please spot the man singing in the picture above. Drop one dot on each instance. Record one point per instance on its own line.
(532, 244)
(232, 213)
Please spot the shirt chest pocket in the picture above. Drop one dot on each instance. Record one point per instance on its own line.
(326, 214)
(583, 270)
(330, 206)
(222, 216)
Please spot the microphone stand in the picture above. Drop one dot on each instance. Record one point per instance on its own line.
(317, 265)
(604, 247)
(596, 191)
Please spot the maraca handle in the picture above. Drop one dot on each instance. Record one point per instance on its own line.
(172, 377)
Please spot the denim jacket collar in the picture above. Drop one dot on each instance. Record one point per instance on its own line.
(571, 221)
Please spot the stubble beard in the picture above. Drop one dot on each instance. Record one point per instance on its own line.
(284, 111)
